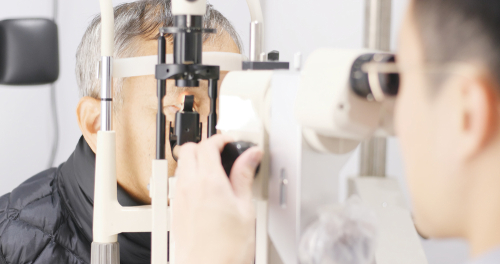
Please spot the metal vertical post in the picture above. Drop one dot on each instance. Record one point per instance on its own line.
(106, 93)
(256, 41)
(212, 116)
(377, 37)
(161, 92)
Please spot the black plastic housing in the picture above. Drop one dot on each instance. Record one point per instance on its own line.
(265, 65)
(360, 83)
(29, 51)
(187, 123)
(188, 46)
(187, 71)
(187, 127)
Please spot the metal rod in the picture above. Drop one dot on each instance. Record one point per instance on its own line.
(378, 24)
(212, 116)
(55, 121)
(377, 37)
(106, 93)
(55, 10)
(256, 41)
(53, 102)
(161, 92)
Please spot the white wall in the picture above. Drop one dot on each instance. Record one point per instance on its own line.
(291, 25)
(24, 115)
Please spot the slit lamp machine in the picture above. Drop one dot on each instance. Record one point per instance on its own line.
(308, 122)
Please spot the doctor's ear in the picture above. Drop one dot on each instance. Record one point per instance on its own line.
(88, 114)
(480, 113)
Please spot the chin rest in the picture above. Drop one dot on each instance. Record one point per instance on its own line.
(29, 52)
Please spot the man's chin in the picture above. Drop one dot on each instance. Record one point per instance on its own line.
(429, 228)
(422, 229)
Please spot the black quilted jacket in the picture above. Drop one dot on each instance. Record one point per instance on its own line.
(48, 218)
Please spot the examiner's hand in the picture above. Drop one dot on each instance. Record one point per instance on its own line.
(213, 216)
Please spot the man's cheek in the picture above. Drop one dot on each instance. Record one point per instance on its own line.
(398, 116)
(402, 115)
(407, 129)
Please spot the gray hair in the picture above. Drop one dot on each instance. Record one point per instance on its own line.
(134, 22)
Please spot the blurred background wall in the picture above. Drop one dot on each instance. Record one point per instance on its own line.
(291, 26)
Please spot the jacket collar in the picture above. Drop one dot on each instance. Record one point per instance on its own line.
(76, 184)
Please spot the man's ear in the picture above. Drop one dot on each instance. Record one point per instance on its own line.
(88, 113)
(480, 113)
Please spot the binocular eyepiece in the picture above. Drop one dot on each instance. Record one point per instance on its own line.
(372, 84)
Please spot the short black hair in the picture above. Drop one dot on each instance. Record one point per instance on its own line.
(460, 31)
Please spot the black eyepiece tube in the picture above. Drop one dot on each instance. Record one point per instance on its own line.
(187, 123)
(161, 92)
(162, 49)
(387, 84)
(188, 45)
(212, 116)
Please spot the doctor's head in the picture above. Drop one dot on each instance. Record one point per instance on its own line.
(448, 113)
(135, 101)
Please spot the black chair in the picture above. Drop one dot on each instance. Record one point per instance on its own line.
(29, 52)
(29, 55)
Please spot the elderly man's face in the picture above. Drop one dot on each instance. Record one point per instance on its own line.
(135, 119)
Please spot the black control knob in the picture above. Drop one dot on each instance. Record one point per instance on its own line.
(231, 152)
(273, 56)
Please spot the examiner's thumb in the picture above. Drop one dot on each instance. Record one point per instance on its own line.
(243, 172)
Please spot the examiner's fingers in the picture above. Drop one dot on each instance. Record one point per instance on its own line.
(243, 172)
(187, 163)
(209, 153)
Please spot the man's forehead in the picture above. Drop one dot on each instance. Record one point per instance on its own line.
(222, 43)
(410, 48)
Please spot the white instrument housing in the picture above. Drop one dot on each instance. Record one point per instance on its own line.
(189, 8)
(326, 104)
(244, 114)
(334, 119)
(295, 117)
